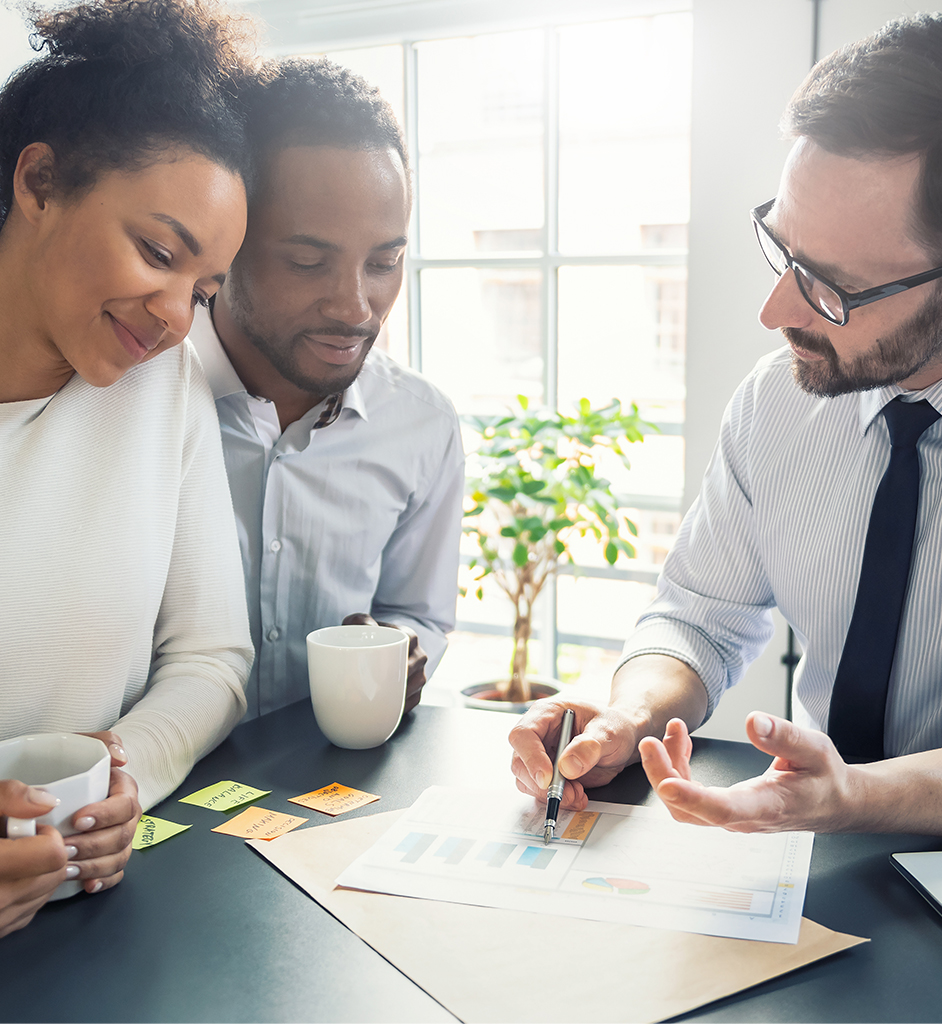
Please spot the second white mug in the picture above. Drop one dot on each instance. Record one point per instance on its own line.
(358, 682)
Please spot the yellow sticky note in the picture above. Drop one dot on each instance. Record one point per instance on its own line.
(151, 831)
(581, 825)
(334, 799)
(224, 796)
(257, 823)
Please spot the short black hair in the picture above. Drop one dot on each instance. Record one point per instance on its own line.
(124, 80)
(882, 97)
(315, 102)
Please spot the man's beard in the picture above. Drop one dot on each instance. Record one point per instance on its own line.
(893, 358)
(284, 356)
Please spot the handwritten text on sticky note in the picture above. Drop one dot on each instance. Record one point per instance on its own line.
(257, 823)
(224, 796)
(151, 831)
(334, 799)
(580, 826)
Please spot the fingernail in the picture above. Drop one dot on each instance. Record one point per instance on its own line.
(72, 870)
(35, 795)
(762, 724)
(118, 751)
(574, 766)
(71, 852)
(83, 824)
(543, 780)
(97, 887)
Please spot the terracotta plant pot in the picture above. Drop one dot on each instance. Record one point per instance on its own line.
(486, 696)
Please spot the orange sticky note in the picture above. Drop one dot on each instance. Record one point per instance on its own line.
(334, 799)
(257, 823)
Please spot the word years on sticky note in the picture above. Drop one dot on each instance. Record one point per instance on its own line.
(257, 823)
(334, 799)
(151, 831)
(224, 796)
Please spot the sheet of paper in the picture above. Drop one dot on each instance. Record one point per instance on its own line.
(635, 865)
(257, 823)
(223, 796)
(480, 963)
(334, 799)
(151, 831)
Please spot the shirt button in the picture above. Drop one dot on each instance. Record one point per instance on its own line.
(275, 546)
(273, 633)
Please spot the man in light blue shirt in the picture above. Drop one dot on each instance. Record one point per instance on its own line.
(855, 234)
(346, 469)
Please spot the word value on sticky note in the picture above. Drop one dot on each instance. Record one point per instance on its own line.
(151, 831)
(335, 799)
(224, 796)
(257, 823)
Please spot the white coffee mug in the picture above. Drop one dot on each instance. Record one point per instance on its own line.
(76, 769)
(358, 682)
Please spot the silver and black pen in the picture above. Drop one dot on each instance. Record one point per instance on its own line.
(555, 792)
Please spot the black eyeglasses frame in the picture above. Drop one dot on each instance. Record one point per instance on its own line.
(849, 300)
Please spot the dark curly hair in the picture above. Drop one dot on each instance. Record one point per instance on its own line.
(123, 80)
(298, 102)
(879, 97)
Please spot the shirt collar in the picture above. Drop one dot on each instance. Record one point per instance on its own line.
(222, 377)
(223, 380)
(872, 402)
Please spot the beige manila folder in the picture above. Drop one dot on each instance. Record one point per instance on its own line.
(478, 961)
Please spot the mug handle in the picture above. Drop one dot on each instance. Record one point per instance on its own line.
(19, 828)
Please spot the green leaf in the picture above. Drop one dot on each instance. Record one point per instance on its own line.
(532, 486)
(524, 401)
(559, 546)
(611, 553)
(505, 494)
(520, 555)
(508, 531)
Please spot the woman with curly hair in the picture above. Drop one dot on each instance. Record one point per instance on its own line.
(122, 201)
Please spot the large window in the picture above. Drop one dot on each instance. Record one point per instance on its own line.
(548, 258)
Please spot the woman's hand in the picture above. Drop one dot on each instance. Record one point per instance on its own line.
(32, 867)
(102, 845)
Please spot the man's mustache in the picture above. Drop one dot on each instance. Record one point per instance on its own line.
(809, 341)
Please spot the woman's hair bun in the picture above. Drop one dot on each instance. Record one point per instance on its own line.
(118, 81)
(197, 36)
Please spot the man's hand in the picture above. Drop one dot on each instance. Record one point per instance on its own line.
(808, 787)
(30, 868)
(105, 830)
(603, 743)
(417, 657)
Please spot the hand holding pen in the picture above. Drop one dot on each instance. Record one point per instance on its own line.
(555, 792)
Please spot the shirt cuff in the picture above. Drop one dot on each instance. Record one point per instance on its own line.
(686, 643)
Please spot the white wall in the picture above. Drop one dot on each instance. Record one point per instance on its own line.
(14, 46)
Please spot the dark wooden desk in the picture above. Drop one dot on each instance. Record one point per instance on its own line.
(202, 929)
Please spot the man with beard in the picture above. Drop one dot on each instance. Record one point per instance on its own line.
(346, 469)
(804, 505)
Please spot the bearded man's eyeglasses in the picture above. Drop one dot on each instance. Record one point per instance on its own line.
(833, 303)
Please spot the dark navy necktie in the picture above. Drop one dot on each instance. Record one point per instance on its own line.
(858, 700)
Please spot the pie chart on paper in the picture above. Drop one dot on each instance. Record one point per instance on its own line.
(623, 886)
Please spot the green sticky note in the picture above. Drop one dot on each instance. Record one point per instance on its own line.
(224, 796)
(151, 831)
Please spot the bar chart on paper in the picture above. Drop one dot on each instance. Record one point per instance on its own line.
(612, 862)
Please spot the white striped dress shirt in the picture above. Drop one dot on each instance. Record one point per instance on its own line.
(781, 521)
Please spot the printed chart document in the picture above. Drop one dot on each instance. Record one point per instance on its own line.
(613, 862)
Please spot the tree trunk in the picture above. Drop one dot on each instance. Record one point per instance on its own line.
(518, 689)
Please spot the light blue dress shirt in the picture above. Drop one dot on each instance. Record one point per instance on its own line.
(781, 521)
(363, 515)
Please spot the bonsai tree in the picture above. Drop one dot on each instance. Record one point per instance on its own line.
(532, 490)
